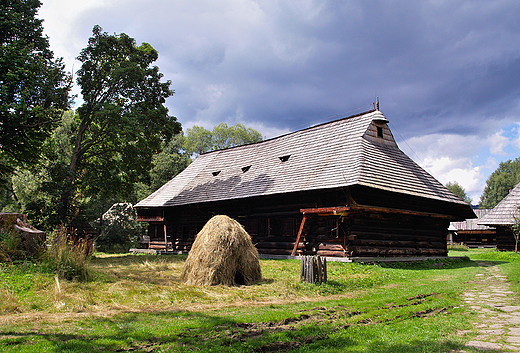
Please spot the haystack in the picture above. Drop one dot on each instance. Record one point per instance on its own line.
(222, 253)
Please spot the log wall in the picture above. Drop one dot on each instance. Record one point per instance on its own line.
(273, 223)
(505, 239)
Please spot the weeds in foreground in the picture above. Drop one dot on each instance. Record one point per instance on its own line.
(67, 258)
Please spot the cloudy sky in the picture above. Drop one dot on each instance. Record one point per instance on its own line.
(447, 73)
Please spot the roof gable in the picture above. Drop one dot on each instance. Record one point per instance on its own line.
(357, 150)
(505, 212)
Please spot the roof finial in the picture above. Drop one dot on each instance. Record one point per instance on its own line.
(377, 103)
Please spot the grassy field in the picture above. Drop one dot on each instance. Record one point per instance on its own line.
(136, 303)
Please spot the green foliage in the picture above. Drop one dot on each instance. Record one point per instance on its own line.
(168, 163)
(199, 140)
(38, 189)
(458, 190)
(8, 202)
(101, 153)
(121, 124)
(497, 256)
(67, 258)
(21, 284)
(34, 87)
(10, 247)
(500, 182)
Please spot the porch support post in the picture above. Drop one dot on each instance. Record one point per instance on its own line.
(165, 239)
(299, 235)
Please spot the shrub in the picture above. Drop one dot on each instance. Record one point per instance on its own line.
(18, 240)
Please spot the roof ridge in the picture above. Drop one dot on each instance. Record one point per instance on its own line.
(295, 132)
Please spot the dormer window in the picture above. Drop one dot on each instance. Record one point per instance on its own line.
(379, 131)
(245, 169)
(216, 173)
(284, 158)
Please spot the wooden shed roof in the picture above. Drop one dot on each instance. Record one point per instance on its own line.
(505, 212)
(471, 224)
(345, 152)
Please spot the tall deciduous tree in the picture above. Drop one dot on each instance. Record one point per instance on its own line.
(122, 122)
(199, 140)
(500, 182)
(33, 85)
(458, 190)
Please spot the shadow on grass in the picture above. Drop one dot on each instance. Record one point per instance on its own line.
(186, 331)
(344, 344)
(129, 259)
(441, 264)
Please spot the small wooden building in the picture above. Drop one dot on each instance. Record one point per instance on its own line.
(502, 217)
(472, 234)
(342, 188)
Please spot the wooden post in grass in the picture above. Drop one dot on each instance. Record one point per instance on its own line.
(313, 269)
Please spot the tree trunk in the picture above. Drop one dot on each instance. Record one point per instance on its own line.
(65, 213)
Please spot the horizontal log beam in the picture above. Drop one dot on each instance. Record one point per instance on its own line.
(331, 253)
(325, 211)
(375, 209)
(274, 251)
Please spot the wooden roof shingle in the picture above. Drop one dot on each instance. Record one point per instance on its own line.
(505, 212)
(473, 223)
(340, 153)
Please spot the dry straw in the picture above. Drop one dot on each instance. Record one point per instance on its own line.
(222, 253)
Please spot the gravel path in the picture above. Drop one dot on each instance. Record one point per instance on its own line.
(499, 307)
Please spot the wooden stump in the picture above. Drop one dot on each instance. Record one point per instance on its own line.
(313, 269)
(25, 239)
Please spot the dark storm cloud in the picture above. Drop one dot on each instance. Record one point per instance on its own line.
(447, 72)
(437, 66)
(289, 62)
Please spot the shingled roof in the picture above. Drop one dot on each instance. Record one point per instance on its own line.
(357, 150)
(505, 212)
(472, 224)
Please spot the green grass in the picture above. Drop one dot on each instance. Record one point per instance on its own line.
(136, 303)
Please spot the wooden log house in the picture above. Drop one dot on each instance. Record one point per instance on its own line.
(472, 234)
(502, 217)
(342, 188)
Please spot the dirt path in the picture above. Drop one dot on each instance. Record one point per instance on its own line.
(499, 307)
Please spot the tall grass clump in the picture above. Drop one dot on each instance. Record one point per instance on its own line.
(68, 258)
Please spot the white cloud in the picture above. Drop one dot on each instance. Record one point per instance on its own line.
(516, 141)
(467, 160)
(446, 169)
(497, 142)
